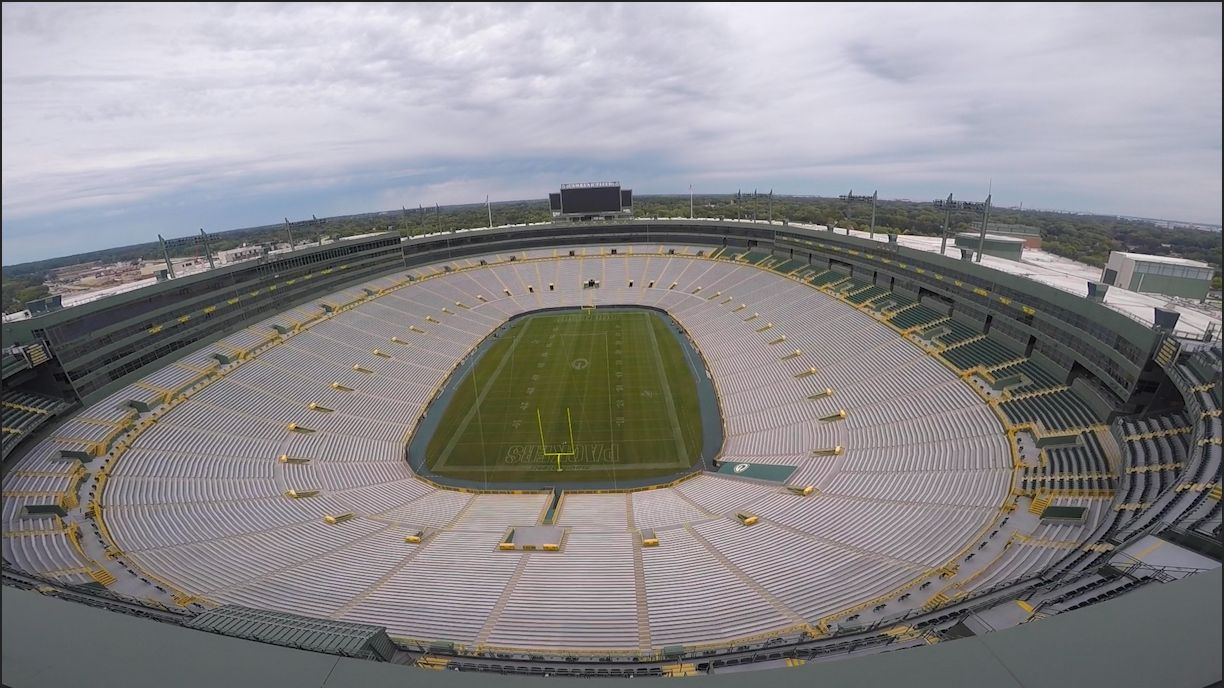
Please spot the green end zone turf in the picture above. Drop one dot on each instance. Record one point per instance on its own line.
(616, 379)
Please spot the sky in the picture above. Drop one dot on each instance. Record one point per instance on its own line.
(122, 121)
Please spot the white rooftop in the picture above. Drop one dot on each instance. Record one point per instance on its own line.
(367, 235)
(70, 300)
(993, 237)
(1147, 258)
(1073, 277)
(78, 298)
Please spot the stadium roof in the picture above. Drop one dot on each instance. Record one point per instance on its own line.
(1170, 260)
(1167, 635)
(70, 300)
(993, 237)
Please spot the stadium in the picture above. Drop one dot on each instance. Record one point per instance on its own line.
(619, 446)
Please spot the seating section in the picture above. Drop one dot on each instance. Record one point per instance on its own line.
(1032, 377)
(985, 353)
(866, 294)
(551, 604)
(1080, 469)
(47, 553)
(890, 303)
(949, 333)
(916, 317)
(1056, 410)
(786, 267)
(828, 277)
(1188, 495)
(916, 469)
(1104, 589)
(25, 412)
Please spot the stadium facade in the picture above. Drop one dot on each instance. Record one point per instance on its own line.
(1060, 370)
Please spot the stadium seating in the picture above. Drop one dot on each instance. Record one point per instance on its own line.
(986, 353)
(915, 317)
(197, 493)
(1057, 409)
(1030, 377)
(23, 413)
(949, 333)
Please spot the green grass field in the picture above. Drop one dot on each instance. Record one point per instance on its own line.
(631, 401)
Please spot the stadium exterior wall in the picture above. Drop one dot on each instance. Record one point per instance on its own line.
(104, 345)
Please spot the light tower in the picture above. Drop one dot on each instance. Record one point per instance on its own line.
(167, 245)
(947, 206)
(851, 198)
(208, 250)
(982, 236)
(950, 205)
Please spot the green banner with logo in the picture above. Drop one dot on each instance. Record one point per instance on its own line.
(757, 471)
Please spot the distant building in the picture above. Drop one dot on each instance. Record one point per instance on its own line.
(69, 273)
(997, 245)
(241, 253)
(1158, 274)
(1030, 235)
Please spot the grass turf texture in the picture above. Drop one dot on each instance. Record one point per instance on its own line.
(621, 374)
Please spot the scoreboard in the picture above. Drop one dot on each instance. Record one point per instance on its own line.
(594, 198)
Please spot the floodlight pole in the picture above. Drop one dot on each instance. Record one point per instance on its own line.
(982, 237)
(490, 209)
(771, 206)
(849, 200)
(874, 195)
(166, 255)
(943, 242)
(690, 201)
(208, 251)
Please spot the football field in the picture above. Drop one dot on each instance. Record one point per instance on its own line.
(602, 395)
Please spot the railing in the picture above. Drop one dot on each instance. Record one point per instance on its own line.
(15, 576)
(1205, 338)
(13, 363)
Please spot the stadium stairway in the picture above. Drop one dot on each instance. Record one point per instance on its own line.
(756, 587)
(507, 593)
(1039, 503)
(639, 587)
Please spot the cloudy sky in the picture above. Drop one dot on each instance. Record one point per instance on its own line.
(124, 121)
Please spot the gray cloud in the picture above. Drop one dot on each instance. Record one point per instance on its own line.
(1112, 108)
